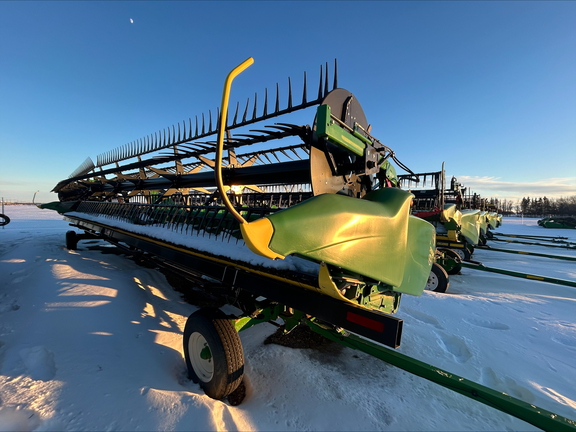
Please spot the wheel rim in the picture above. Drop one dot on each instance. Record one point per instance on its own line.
(460, 253)
(432, 283)
(200, 357)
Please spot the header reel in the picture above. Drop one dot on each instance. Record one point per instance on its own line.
(336, 155)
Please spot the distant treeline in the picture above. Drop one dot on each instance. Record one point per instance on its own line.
(547, 206)
(539, 207)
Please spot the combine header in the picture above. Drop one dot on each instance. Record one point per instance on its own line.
(295, 227)
(302, 227)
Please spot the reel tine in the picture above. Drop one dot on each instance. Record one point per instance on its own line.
(210, 124)
(335, 85)
(267, 158)
(289, 93)
(235, 114)
(326, 81)
(277, 104)
(265, 111)
(295, 153)
(320, 86)
(245, 110)
(255, 105)
(196, 129)
(304, 90)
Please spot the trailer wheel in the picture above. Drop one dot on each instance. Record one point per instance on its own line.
(71, 240)
(438, 279)
(213, 352)
(464, 254)
(453, 255)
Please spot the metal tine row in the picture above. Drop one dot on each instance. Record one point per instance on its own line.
(292, 152)
(204, 220)
(265, 154)
(284, 130)
(172, 136)
(287, 151)
(84, 168)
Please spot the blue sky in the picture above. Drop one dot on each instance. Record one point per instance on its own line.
(488, 87)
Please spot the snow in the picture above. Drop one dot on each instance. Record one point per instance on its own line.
(221, 245)
(92, 341)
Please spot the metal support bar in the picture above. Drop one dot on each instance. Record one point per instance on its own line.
(562, 257)
(480, 266)
(533, 237)
(567, 246)
(529, 413)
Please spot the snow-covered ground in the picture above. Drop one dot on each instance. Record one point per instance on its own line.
(92, 341)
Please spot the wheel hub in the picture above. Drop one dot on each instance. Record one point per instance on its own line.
(432, 282)
(201, 357)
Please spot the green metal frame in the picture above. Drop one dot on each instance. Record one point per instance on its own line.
(328, 127)
(480, 266)
(565, 246)
(529, 413)
(561, 257)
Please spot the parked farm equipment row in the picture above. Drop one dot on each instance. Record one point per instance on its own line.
(558, 222)
(303, 228)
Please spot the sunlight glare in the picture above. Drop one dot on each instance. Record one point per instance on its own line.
(65, 271)
(153, 290)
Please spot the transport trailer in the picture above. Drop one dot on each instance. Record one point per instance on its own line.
(300, 233)
(294, 228)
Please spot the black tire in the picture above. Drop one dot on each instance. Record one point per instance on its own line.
(71, 240)
(213, 352)
(452, 254)
(4, 220)
(438, 280)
